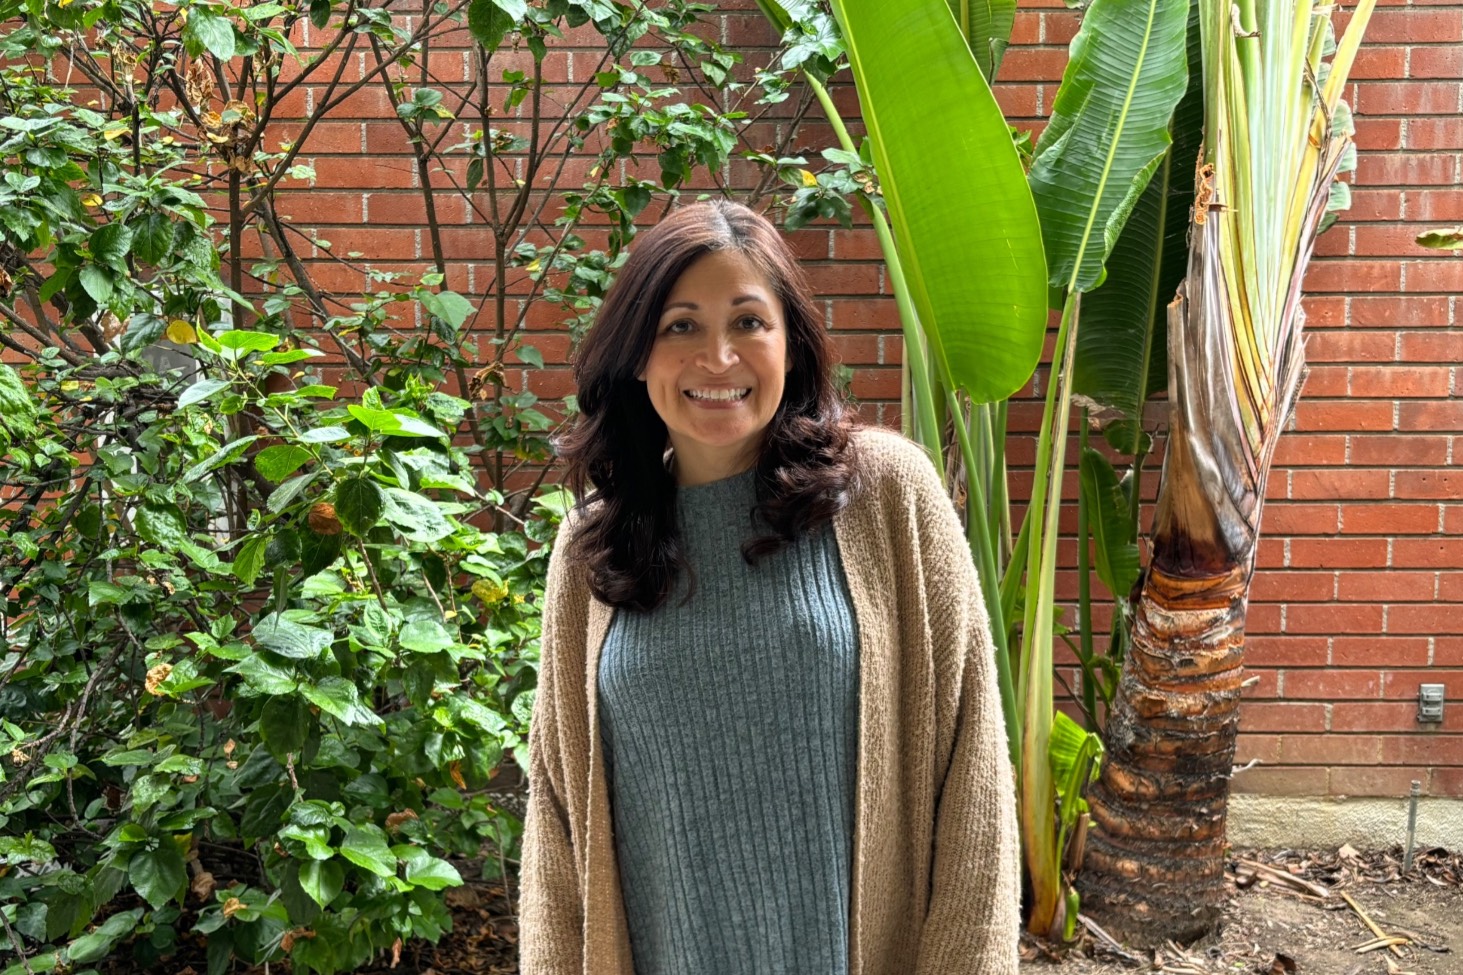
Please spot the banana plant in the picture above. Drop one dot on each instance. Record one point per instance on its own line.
(1276, 134)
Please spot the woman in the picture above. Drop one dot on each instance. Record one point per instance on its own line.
(766, 737)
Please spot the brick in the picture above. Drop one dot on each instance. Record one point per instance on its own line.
(1296, 449)
(1410, 26)
(1271, 781)
(1338, 553)
(1439, 347)
(1422, 749)
(1448, 651)
(1351, 275)
(1374, 716)
(1380, 63)
(1425, 619)
(1398, 382)
(1429, 484)
(1434, 274)
(1330, 749)
(1375, 205)
(1406, 169)
(877, 313)
(1353, 781)
(1289, 587)
(1427, 553)
(1332, 618)
(1370, 651)
(1284, 651)
(1342, 415)
(1351, 345)
(1434, 206)
(1433, 133)
(1399, 450)
(1450, 586)
(1388, 586)
(1405, 97)
(1433, 416)
(1389, 519)
(1401, 312)
(1452, 519)
(1342, 483)
(1060, 28)
(1032, 64)
(1435, 62)
(1403, 684)
(1445, 782)
(1255, 747)
(1281, 716)
(1333, 685)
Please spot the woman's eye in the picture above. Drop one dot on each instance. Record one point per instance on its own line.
(751, 321)
(678, 328)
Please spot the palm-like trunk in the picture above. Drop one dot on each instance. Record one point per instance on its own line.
(1274, 144)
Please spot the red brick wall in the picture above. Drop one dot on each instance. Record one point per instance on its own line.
(1358, 597)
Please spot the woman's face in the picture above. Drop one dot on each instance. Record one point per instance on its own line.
(716, 371)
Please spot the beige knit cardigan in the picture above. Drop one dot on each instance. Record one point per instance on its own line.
(935, 883)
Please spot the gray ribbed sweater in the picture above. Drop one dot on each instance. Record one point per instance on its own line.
(730, 724)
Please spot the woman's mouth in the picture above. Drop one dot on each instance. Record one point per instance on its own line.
(718, 395)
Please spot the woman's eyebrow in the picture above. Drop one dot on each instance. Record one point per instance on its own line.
(738, 300)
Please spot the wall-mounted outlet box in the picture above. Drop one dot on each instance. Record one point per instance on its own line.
(1430, 704)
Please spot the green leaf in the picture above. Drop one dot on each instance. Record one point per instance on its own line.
(317, 552)
(152, 240)
(418, 518)
(393, 424)
(18, 412)
(284, 724)
(226, 454)
(1111, 520)
(1440, 239)
(358, 504)
(281, 497)
(488, 23)
(263, 677)
(987, 25)
(280, 461)
(158, 875)
(517, 9)
(287, 357)
(449, 306)
(320, 17)
(215, 34)
(325, 435)
(1108, 131)
(366, 847)
(110, 243)
(1122, 341)
(322, 880)
(95, 946)
(985, 329)
(290, 639)
(425, 870)
(339, 697)
(201, 390)
(97, 282)
(425, 636)
(242, 341)
(161, 524)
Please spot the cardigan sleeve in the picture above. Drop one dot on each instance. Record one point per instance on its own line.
(551, 912)
(972, 926)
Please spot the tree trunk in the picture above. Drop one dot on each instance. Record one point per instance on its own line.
(1155, 857)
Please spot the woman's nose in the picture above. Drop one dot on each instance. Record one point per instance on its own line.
(717, 352)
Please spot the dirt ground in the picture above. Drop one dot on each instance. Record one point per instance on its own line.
(1277, 926)
(1276, 923)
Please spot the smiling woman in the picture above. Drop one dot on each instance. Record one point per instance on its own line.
(766, 736)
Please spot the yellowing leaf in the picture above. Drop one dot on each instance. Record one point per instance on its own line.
(116, 130)
(181, 332)
(91, 200)
(808, 178)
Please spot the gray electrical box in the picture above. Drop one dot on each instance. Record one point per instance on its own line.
(1430, 704)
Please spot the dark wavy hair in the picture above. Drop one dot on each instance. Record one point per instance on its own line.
(627, 531)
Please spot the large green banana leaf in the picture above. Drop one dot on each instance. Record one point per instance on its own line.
(986, 25)
(1122, 349)
(1108, 131)
(963, 217)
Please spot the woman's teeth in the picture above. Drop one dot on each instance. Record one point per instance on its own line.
(719, 395)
